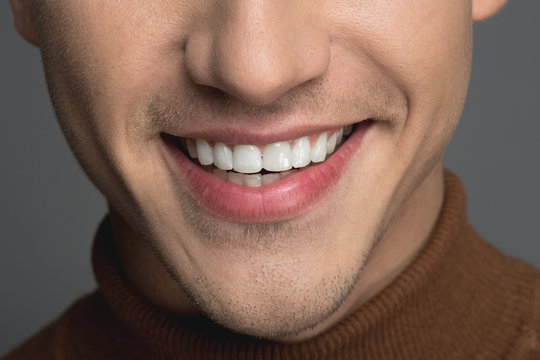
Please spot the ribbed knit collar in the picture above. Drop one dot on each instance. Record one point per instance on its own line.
(456, 291)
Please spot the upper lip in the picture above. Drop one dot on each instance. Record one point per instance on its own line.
(255, 135)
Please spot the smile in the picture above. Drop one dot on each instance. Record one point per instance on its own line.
(255, 183)
(255, 166)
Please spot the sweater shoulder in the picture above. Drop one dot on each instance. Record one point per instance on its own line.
(89, 329)
(39, 346)
(536, 316)
(527, 345)
(518, 285)
(49, 342)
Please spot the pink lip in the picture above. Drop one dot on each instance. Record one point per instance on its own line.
(284, 199)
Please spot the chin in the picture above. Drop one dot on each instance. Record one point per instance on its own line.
(274, 280)
(272, 301)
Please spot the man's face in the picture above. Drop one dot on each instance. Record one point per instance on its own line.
(134, 82)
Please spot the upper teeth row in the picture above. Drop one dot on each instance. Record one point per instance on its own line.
(278, 156)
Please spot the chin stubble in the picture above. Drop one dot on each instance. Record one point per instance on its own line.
(285, 307)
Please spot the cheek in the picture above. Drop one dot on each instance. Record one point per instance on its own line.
(96, 85)
(423, 45)
(429, 47)
(426, 46)
(109, 57)
(104, 60)
(439, 61)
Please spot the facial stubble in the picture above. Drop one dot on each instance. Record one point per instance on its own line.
(286, 306)
(307, 305)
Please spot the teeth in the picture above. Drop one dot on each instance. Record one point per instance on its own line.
(339, 136)
(247, 159)
(204, 152)
(192, 149)
(222, 174)
(331, 144)
(253, 180)
(235, 178)
(318, 152)
(277, 156)
(223, 156)
(301, 153)
(267, 179)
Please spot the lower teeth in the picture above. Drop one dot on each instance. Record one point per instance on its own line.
(251, 180)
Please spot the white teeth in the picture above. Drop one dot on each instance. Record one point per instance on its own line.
(301, 153)
(204, 152)
(223, 156)
(247, 159)
(267, 179)
(287, 173)
(339, 136)
(271, 178)
(331, 144)
(235, 178)
(192, 148)
(277, 156)
(253, 180)
(222, 174)
(318, 151)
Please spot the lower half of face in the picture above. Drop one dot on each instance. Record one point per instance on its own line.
(264, 207)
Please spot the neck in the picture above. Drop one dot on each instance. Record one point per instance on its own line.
(404, 238)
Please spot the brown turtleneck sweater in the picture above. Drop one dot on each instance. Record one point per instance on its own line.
(459, 299)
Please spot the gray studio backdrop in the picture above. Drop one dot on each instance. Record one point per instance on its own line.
(49, 210)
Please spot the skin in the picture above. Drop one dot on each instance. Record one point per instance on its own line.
(260, 65)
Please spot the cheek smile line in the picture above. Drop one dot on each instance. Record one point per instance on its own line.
(250, 183)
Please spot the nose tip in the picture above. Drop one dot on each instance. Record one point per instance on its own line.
(257, 52)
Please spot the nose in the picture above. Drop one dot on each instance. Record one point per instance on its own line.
(257, 50)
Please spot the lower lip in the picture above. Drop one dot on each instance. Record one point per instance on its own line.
(285, 199)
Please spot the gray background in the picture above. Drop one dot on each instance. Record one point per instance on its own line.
(49, 210)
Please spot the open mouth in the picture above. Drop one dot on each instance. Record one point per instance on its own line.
(261, 183)
(260, 165)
